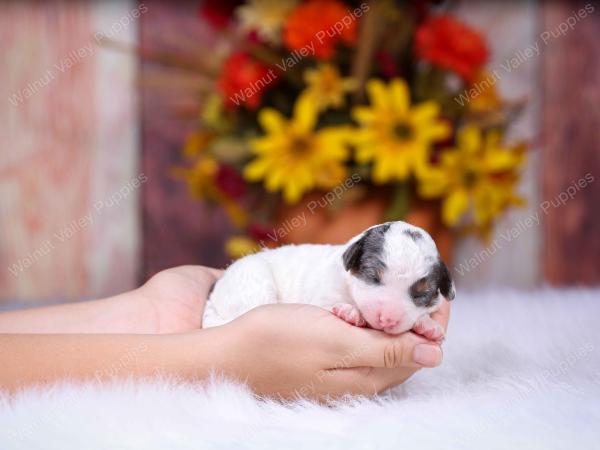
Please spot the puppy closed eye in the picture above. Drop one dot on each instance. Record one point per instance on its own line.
(422, 292)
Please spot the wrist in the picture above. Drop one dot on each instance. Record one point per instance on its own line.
(129, 312)
(199, 353)
(138, 313)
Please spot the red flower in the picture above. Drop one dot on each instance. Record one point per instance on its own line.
(450, 44)
(387, 64)
(230, 182)
(217, 12)
(322, 24)
(243, 81)
(260, 233)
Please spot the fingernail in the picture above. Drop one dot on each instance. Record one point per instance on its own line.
(427, 355)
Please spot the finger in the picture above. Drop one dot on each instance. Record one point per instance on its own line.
(376, 349)
(442, 315)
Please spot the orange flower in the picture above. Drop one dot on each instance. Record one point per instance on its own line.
(485, 97)
(243, 81)
(450, 44)
(319, 25)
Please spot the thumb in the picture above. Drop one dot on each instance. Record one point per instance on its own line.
(376, 349)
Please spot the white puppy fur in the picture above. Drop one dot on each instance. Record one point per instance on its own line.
(389, 277)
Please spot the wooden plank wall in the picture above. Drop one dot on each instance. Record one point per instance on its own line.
(177, 229)
(67, 141)
(570, 170)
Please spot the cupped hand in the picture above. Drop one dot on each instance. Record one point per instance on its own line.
(289, 350)
(292, 350)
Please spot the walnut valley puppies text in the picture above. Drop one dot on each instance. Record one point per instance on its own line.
(77, 55)
(280, 232)
(521, 226)
(293, 58)
(124, 193)
(523, 55)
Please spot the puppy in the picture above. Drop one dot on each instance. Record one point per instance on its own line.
(389, 278)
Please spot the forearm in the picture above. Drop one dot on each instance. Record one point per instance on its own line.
(45, 358)
(172, 301)
(125, 313)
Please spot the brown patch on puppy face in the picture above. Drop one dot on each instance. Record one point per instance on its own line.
(424, 292)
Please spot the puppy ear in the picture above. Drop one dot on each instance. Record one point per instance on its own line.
(445, 283)
(353, 255)
(363, 257)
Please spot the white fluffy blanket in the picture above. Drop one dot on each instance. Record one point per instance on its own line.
(521, 371)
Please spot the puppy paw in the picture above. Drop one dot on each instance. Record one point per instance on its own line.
(349, 313)
(429, 328)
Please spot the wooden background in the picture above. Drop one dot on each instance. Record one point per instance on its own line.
(570, 77)
(71, 144)
(177, 229)
(509, 28)
(102, 123)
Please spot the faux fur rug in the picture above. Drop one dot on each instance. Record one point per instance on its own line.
(520, 371)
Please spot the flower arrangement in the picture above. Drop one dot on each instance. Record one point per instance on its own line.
(308, 93)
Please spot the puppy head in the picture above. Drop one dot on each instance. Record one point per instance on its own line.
(395, 275)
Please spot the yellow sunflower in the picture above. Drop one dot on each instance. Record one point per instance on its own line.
(213, 114)
(200, 179)
(393, 134)
(197, 142)
(327, 87)
(239, 246)
(479, 174)
(295, 158)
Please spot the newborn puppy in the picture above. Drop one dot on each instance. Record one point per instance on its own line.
(390, 278)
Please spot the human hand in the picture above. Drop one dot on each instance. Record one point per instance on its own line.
(175, 298)
(280, 350)
(291, 350)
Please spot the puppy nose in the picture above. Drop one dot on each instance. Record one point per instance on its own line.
(387, 322)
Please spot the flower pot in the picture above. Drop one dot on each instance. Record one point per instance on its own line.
(427, 215)
(312, 220)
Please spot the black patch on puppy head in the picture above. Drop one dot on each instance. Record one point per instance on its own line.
(413, 234)
(424, 292)
(363, 258)
(443, 280)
